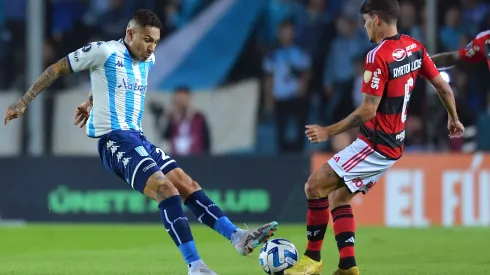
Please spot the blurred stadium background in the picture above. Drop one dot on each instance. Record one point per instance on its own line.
(234, 84)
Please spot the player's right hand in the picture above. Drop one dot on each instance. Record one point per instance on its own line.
(82, 113)
(456, 128)
(316, 133)
(14, 111)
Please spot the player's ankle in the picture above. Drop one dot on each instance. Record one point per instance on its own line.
(314, 255)
(347, 262)
(196, 264)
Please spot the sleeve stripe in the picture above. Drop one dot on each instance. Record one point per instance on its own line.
(69, 63)
(372, 54)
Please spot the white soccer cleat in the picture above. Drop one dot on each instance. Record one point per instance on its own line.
(245, 241)
(201, 269)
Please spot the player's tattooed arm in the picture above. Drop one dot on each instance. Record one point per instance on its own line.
(90, 98)
(445, 60)
(363, 113)
(45, 80)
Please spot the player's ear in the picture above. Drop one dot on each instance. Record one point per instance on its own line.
(130, 33)
(376, 21)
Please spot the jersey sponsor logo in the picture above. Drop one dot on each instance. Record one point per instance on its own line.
(399, 54)
(119, 63)
(407, 68)
(367, 76)
(153, 164)
(75, 55)
(401, 136)
(131, 85)
(472, 51)
(411, 47)
(86, 48)
(141, 151)
(376, 78)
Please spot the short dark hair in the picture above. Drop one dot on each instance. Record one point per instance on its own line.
(387, 10)
(183, 89)
(287, 22)
(145, 18)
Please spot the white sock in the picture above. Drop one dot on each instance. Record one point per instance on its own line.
(196, 264)
(235, 238)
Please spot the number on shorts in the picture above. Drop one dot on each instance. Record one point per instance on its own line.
(406, 99)
(160, 152)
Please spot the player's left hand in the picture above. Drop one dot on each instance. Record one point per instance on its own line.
(82, 113)
(14, 111)
(316, 133)
(456, 128)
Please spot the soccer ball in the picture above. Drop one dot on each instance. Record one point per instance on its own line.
(278, 255)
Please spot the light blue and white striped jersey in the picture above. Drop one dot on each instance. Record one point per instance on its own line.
(118, 83)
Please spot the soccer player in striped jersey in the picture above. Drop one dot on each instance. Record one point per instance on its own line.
(113, 113)
(391, 70)
(478, 50)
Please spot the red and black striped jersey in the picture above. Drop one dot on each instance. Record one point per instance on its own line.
(478, 50)
(391, 71)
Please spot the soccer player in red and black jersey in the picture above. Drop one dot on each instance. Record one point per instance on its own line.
(478, 50)
(391, 70)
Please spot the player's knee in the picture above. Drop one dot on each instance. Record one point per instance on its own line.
(313, 188)
(158, 187)
(183, 182)
(165, 190)
(338, 198)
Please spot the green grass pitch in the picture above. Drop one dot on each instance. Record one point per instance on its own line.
(147, 249)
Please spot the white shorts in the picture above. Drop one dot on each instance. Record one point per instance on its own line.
(360, 166)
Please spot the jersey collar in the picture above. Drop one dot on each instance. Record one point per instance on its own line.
(394, 37)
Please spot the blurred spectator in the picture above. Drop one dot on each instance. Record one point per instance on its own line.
(181, 12)
(414, 134)
(276, 11)
(465, 112)
(112, 24)
(286, 85)
(408, 21)
(311, 26)
(187, 129)
(315, 30)
(452, 31)
(474, 11)
(358, 80)
(483, 127)
(339, 72)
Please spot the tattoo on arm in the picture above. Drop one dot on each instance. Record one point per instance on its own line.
(355, 120)
(369, 106)
(47, 78)
(91, 98)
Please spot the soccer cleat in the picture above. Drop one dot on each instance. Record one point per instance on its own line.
(247, 240)
(305, 266)
(351, 271)
(201, 269)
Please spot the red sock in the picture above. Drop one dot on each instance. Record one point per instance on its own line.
(316, 225)
(344, 228)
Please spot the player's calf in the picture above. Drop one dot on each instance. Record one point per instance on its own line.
(344, 227)
(208, 213)
(169, 201)
(317, 188)
(322, 182)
